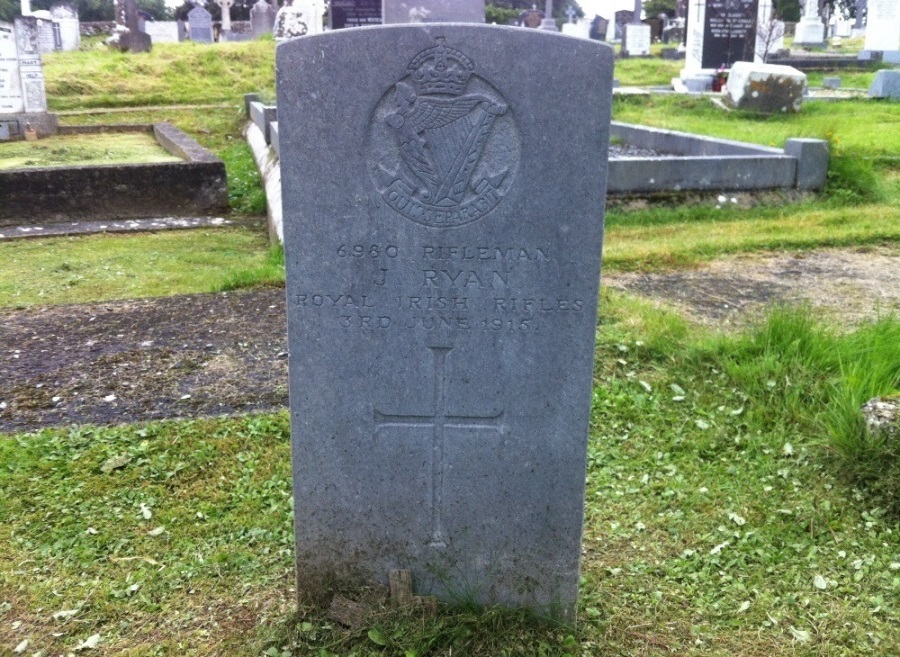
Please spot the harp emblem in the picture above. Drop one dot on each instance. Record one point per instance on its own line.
(452, 145)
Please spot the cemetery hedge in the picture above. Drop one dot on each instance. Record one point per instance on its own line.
(735, 505)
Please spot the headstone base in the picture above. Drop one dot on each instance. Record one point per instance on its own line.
(12, 126)
(694, 82)
(886, 85)
(765, 88)
(809, 32)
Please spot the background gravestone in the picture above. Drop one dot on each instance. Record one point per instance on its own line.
(883, 28)
(31, 69)
(354, 13)
(65, 14)
(200, 25)
(621, 19)
(11, 100)
(163, 31)
(442, 253)
(262, 18)
(433, 11)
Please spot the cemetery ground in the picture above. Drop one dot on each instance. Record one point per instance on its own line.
(734, 505)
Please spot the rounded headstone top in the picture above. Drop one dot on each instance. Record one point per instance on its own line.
(291, 22)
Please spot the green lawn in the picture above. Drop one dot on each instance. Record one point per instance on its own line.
(66, 150)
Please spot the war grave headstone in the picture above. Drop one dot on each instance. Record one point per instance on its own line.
(200, 25)
(810, 31)
(442, 254)
(65, 14)
(883, 29)
(719, 33)
(262, 18)
(354, 13)
(433, 11)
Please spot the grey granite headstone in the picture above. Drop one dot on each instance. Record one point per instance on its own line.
(885, 85)
(433, 11)
(262, 18)
(200, 25)
(443, 254)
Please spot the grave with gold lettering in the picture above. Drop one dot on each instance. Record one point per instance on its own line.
(443, 195)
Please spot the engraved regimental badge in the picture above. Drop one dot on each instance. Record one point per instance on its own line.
(443, 144)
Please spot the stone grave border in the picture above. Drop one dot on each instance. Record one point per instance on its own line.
(692, 163)
(49, 195)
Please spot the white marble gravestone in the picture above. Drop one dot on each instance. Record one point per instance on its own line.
(65, 14)
(883, 26)
(443, 222)
(810, 31)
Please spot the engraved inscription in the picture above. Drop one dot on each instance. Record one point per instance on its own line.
(459, 288)
(438, 420)
(443, 145)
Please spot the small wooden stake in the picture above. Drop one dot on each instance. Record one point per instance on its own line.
(401, 587)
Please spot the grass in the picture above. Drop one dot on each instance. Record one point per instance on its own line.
(714, 522)
(734, 506)
(66, 150)
(104, 267)
(218, 129)
(849, 124)
(183, 73)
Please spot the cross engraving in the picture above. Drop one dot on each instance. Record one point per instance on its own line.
(438, 420)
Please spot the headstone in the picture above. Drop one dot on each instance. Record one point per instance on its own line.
(810, 31)
(766, 88)
(23, 99)
(163, 31)
(442, 254)
(886, 84)
(225, 6)
(883, 27)
(581, 29)
(65, 14)
(298, 18)
(433, 11)
(637, 40)
(621, 19)
(40, 28)
(200, 25)
(11, 98)
(354, 13)
(769, 32)
(721, 32)
(262, 18)
(129, 35)
(31, 68)
(599, 27)
(25, 7)
(531, 18)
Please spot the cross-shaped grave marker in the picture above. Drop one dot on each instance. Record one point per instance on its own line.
(438, 420)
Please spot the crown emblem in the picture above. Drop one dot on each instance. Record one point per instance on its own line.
(440, 70)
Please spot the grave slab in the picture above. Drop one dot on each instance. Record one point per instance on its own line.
(442, 254)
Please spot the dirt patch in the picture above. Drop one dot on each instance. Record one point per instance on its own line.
(126, 361)
(213, 354)
(847, 285)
